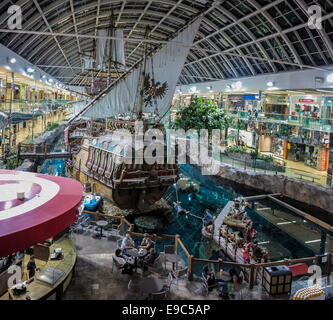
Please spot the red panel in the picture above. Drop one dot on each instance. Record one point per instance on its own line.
(24, 230)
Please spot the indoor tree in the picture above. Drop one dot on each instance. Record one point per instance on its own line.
(201, 115)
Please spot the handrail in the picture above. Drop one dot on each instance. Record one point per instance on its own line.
(191, 259)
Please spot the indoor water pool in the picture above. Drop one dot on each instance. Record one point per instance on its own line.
(272, 234)
(55, 167)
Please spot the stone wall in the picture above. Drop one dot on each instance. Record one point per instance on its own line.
(302, 191)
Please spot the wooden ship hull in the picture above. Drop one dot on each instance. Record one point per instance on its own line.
(129, 186)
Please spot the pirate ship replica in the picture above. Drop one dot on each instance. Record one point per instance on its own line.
(107, 158)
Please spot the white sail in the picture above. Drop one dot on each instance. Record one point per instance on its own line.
(118, 48)
(102, 49)
(167, 64)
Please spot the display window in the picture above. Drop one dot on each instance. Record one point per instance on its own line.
(311, 156)
(296, 152)
(277, 147)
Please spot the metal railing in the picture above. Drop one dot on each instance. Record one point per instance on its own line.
(320, 124)
(261, 166)
(253, 270)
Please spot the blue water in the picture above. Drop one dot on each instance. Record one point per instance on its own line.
(213, 195)
(55, 167)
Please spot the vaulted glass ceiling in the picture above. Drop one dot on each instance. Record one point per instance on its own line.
(237, 37)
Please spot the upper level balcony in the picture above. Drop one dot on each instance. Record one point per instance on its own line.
(307, 123)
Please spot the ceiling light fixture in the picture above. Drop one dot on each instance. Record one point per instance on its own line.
(330, 78)
(270, 84)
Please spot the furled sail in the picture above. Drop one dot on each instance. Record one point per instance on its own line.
(117, 50)
(102, 49)
(165, 65)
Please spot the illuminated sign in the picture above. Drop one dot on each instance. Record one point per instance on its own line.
(306, 100)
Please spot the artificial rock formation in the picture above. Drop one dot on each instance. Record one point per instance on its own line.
(303, 191)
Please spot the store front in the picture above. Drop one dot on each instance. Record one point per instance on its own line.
(295, 152)
(307, 106)
(252, 102)
(311, 156)
(273, 146)
(328, 109)
(236, 103)
(276, 104)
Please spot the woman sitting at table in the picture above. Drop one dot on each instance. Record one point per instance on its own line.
(146, 243)
(149, 259)
(127, 268)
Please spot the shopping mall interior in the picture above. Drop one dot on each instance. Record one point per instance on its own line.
(166, 150)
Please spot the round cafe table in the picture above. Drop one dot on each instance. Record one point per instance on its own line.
(151, 284)
(101, 224)
(137, 253)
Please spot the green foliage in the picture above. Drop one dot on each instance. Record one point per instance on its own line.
(284, 131)
(201, 115)
(235, 149)
(255, 155)
(51, 126)
(13, 163)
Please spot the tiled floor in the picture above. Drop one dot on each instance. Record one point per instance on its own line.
(95, 280)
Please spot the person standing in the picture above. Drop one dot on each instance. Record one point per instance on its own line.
(31, 268)
(208, 218)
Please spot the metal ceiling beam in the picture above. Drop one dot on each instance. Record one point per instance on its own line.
(286, 31)
(157, 25)
(274, 3)
(51, 31)
(75, 27)
(322, 32)
(278, 29)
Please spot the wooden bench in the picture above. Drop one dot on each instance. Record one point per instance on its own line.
(301, 175)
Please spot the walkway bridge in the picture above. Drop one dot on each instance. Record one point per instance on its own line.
(39, 151)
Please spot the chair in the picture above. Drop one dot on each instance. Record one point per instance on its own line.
(205, 286)
(160, 295)
(158, 264)
(168, 282)
(169, 249)
(178, 274)
(116, 263)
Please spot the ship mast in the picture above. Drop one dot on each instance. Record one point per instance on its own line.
(110, 48)
(143, 74)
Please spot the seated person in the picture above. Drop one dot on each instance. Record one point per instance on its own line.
(208, 218)
(149, 259)
(178, 208)
(147, 242)
(211, 280)
(127, 268)
(127, 243)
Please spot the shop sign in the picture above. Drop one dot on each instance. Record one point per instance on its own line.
(305, 100)
(236, 98)
(252, 97)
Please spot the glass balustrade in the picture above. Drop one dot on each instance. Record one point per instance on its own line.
(325, 125)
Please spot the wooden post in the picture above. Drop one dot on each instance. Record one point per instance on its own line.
(286, 262)
(122, 225)
(251, 277)
(190, 267)
(220, 265)
(176, 243)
